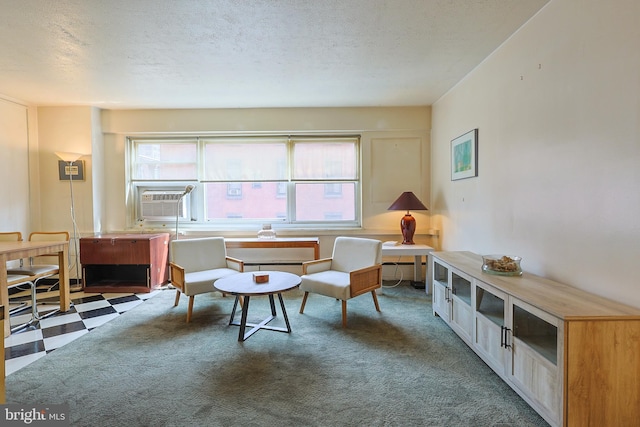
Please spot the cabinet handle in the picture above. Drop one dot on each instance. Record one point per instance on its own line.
(506, 338)
(502, 328)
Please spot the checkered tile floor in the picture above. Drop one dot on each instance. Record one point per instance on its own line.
(88, 311)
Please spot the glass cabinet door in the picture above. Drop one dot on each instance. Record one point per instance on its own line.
(440, 290)
(538, 334)
(535, 353)
(461, 312)
(490, 325)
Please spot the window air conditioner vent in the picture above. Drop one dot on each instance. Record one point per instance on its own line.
(163, 205)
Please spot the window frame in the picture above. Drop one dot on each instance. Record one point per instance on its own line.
(135, 184)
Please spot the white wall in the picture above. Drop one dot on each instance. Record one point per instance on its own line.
(14, 168)
(558, 112)
(395, 151)
(395, 158)
(66, 129)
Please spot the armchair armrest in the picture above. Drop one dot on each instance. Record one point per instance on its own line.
(235, 264)
(365, 280)
(177, 275)
(316, 266)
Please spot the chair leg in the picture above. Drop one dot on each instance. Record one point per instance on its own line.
(344, 313)
(34, 311)
(190, 310)
(175, 304)
(304, 301)
(34, 299)
(375, 300)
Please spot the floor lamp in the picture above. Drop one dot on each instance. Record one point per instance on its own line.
(69, 159)
(188, 189)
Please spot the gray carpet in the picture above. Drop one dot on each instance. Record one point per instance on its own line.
(400, 367)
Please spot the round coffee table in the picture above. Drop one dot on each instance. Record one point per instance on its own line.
(243, 285)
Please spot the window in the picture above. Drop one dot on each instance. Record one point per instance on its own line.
(170, 160)
(293, 181)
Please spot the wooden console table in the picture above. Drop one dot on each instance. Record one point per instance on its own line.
(279, 242)
(124, 262)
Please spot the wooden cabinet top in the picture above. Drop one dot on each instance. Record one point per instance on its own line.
(558, 299)
(126, 236)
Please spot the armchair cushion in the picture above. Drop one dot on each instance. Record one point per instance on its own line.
(199, 282)
(200, 254)
(355, 253)
(330, 283)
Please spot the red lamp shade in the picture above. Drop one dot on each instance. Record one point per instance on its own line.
(406, 202)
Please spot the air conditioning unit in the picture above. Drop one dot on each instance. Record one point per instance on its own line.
(164, 205)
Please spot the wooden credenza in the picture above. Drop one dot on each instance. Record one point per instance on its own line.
(124, 262)
(312, 243)
(573, 356)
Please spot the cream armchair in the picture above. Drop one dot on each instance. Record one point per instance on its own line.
(196, 264)
(355, 268)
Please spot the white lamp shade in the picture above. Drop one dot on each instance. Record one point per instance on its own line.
(68, 157)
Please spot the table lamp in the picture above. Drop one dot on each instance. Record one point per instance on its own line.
(406, 202)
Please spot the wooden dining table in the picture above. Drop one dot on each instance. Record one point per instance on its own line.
(19, 250)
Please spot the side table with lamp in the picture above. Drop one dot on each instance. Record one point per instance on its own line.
(408, 202)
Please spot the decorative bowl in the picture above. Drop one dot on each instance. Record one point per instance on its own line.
(502, 265)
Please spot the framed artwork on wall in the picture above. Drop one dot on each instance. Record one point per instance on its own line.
(464, 156)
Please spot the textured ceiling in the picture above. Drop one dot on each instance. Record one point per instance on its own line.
(253, 53)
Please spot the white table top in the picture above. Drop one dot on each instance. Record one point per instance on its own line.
(243, 283)
(406, 249)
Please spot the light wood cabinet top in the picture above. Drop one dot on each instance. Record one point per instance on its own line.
(558, 299)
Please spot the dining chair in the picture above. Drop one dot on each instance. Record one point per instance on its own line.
(41, 267)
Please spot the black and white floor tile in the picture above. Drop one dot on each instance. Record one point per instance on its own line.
(88, 311)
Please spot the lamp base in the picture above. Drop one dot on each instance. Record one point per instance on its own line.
(408, 228)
